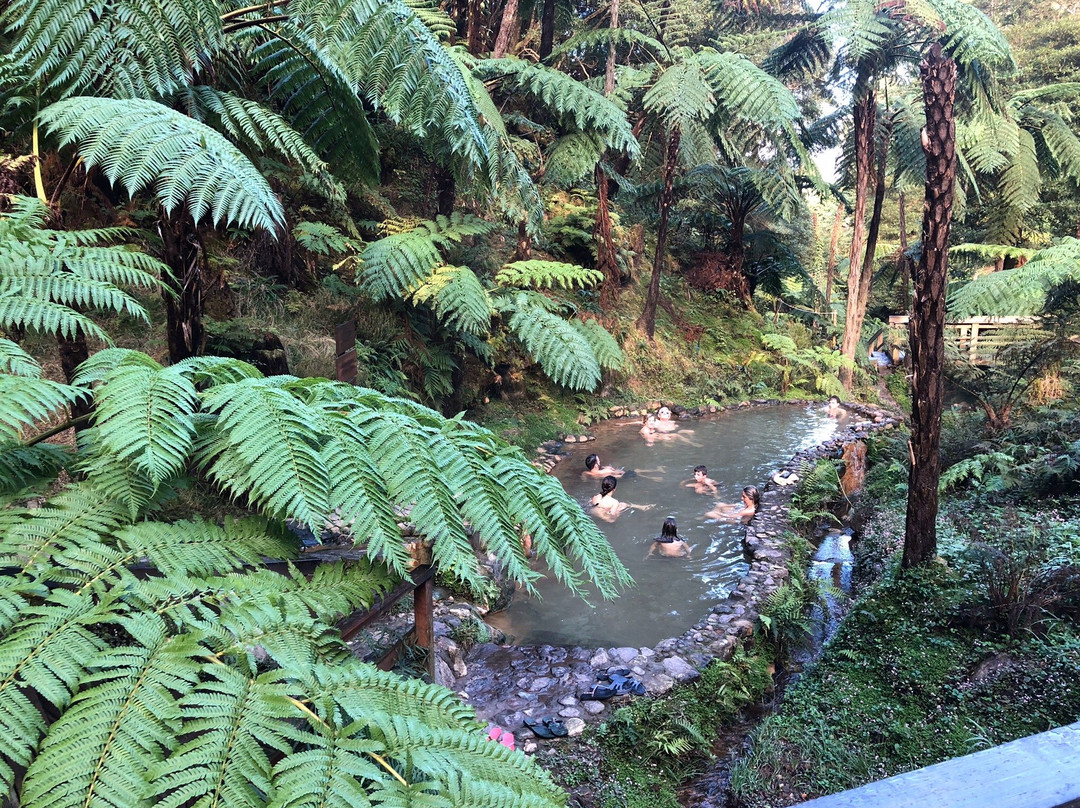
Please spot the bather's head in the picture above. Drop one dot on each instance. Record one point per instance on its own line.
(751, 497)
(669, 530)
(700, 472)
(663, 414)
(592, 462)
(607, 485)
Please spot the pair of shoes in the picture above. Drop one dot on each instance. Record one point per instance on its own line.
(618, 673)
(785, 478)
(617, 686)
(547, 727)
(505, 737)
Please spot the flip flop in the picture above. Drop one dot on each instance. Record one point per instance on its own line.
(547, 727)
(622, 673)
(500, 735)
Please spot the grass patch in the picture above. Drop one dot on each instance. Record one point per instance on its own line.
(915, 675)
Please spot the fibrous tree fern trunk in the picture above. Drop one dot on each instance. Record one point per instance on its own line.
(523, 250)
(473, 38)
(73, 352)
(647, 321)
(864, 113)
(928, 313)
(738, 284)
(182, 286)
(866, 276)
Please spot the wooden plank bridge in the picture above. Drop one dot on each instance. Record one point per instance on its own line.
(977, 339)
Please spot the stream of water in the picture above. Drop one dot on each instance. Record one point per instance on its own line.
(740, 447)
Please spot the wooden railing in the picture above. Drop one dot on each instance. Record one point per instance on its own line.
(977, 339)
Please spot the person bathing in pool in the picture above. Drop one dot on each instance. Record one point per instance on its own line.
(594, 469)
(669, 543)
(605, 505)
(702, 483)
(664, 423)
(751, 501)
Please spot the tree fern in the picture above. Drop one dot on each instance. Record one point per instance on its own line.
(547, 275)
(458, 298)
(16, 361)
(1020, 291)
(562, 350)
(140, 144)
(572, 158)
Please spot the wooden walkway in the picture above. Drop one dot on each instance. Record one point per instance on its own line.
(1040, 771)
(977, 339)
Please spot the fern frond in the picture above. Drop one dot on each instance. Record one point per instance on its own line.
(681, 95)
(21, 466)
(266, 446)
(601, 39)
(562, 351)
(24, 401)
(16, 361)
(603, 343)
(590, 111)
(572, 158)
(122, 723)
(547, 275)
(458, 298)
(1019, 291)
(144, 417)
(140, 144)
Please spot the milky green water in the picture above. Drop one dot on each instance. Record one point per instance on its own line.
(741, 447)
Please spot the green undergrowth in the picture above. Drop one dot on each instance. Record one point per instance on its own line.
(640, 755)
(974, 650)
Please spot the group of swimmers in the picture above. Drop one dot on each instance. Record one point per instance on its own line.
(668, 543)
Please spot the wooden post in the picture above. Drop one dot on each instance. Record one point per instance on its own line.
(424, 617)
(345, 352)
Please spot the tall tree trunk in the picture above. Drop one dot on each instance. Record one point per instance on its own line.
(605, 244)
(547, 29)
(473, 41)
(738, 283)
(830, 268)
(866, 278)
(864, 114)
(606, 257)
(609, 70)
(182, 285)
(73, 352)
(523, 248)
(904, 263)
(647, 321)
(928, 314)
(507, 29)
(445, 191)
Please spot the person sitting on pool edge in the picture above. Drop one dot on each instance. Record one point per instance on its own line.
(702, 483)
(606, 506)
(751, 501)
(594, 469)
(669, 543)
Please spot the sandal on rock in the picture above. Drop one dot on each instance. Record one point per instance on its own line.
(547, 727)
(618, 673)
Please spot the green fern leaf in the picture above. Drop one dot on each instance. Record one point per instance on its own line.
(562, 351)
(25, 401)
(458, 298)
(16, 361)
(547, 275)
(140, 144)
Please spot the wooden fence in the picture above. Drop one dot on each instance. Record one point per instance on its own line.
(977, 339)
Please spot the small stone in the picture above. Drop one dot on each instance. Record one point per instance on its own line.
(568, 701)
(529, 747)
(625, 654)
(593, 707)
(570, 712)
(540, 683)
(678, 669)
(599, 659)
(574, 727)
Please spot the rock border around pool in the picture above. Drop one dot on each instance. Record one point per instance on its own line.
(714, 636)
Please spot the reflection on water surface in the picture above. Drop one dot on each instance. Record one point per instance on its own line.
(741, 447)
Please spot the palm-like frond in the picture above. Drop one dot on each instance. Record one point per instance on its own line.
(608, 353)
(562, 351)
(16, 361)
(547, 275)
(590, 111)
(681, 95)
(571, 158)
(393, 265)
(141, 144)
(24, 401)
(458, 298)
(1020, 291)
(601, 38)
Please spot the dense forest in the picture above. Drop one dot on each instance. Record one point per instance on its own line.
(530, 213)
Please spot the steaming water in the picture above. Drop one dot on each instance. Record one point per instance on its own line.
(741, 447)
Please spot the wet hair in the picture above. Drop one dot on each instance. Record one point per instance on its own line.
(755, 495)
(834, 401)
(702, 469)
(607, 485)
(646, 418)
(670, 531)
(592, 461)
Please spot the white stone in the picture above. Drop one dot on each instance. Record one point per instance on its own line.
(574, 726)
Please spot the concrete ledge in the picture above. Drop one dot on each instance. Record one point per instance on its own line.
(1040, 771)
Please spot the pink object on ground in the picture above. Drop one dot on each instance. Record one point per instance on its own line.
(497, 733)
